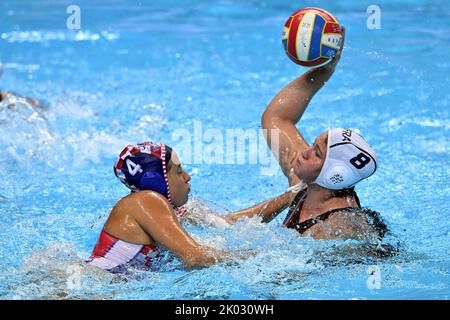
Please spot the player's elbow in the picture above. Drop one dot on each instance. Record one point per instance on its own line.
(272, 119)
(267, 119)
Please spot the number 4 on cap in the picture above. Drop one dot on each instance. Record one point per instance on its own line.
(133, 168)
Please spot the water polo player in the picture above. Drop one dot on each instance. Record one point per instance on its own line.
(326, 206)
(11, 100)
(143, 228)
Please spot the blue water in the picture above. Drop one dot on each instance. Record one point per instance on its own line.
(138, 70)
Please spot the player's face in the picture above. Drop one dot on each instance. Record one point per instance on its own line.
(178, 181)
(310, 161)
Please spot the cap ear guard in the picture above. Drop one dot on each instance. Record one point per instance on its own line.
(336, 178)
(152, 180)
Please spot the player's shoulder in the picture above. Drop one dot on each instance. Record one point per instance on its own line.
(358, 223)
(143, 198)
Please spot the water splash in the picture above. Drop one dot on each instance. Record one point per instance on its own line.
(33, 36)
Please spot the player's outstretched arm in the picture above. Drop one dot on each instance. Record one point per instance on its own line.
(287, 108)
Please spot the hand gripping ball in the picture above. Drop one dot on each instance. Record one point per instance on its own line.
(311, 37)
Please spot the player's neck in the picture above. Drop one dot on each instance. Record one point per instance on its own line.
(318, 200)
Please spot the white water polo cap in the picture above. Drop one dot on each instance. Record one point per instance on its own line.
(349, 159)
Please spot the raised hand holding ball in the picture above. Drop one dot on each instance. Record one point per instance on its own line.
(312, 37)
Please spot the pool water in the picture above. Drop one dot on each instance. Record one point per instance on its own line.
(138, 70)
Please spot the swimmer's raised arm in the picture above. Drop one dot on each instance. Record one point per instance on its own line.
(267, 210)
(287, 108)
(157, 218)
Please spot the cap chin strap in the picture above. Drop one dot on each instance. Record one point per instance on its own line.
(179, 211)
(164, 167)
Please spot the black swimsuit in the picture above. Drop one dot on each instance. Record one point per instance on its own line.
(292, 218)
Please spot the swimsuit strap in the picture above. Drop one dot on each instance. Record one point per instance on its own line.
(373, 218)
(298, 198)
(296, 206)
(305, 225)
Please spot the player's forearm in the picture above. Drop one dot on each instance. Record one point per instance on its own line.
(291, 102)
(267, 209)
(203, 257)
